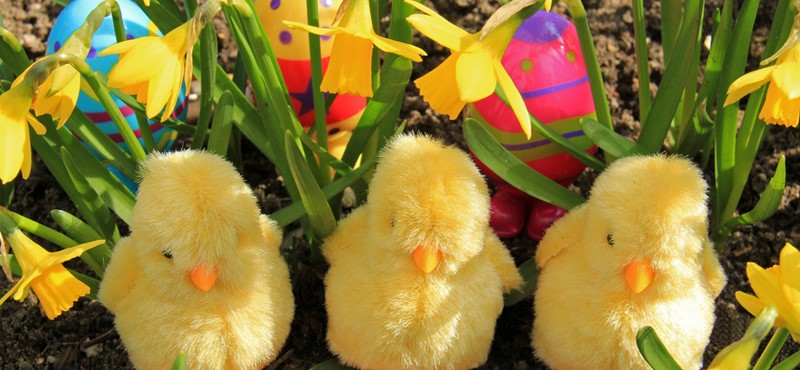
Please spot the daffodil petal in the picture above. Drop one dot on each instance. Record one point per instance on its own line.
(787, 78)
(750, 303)
(27, 156)
(426, 10)
(332, 31)
(515, 99)
(69, 96)
(765, 285)
(38, 127)
(475, 77)
(790, 272)
(61, 77)
(356, 19)
(159, 90)
(787, 72)
(439, 30)
(396, 47)
(748, 83)
(548, 4)
(138, 66)
(12, 141)
(175, 93)
(125, 46)
(435, 87)
(350, 66)
(10, 292)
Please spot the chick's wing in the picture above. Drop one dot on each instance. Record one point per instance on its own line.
(343, 237)
(120, 276)
(712, 269)
(561, 235)
(500, 258)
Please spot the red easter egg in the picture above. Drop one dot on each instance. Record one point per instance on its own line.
(546, 64)
(291, 50)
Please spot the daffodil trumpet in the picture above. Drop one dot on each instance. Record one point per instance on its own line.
(350, 67)
(42, 271)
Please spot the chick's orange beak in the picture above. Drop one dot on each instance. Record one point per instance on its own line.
(639, 274)
(203, 277)
(426, 259)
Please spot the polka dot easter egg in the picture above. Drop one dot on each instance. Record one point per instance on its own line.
(137, 24)
(292, 52)
(545, 61)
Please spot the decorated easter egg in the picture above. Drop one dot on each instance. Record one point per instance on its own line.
(292, 52)
(137, 24)
(545, 62)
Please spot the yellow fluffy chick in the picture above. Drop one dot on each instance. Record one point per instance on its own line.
(417, 276)
(635, 254)
(200, 272)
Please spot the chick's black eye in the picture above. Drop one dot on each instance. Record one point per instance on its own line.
(167, 254)
(610, 239)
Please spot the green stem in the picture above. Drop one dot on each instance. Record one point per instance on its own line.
(191, 7)
(208, 50)
(104, 96)
(642, 59)
(592, 64)
(37, 229)
(147, 134)
(116, 17)
(789, 363)
(771, 351)
(670, 24)
(320, 124)
(12, 53)
(374, 10)
(687, 105)
(725, 127)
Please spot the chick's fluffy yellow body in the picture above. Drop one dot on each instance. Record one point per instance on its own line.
(193, 209)
(587, 314)
(384, 311)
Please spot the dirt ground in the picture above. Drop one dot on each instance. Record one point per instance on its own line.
(85, 338)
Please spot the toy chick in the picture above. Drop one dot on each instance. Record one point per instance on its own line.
(200, 272)
(417, 276)
(635, 254)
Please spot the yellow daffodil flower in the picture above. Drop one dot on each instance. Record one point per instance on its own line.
(777, 286)
(56, 288)
(548, 4)
(153, 68)
(15, 148)
(350, 67)
(782, 105)
(474, 68)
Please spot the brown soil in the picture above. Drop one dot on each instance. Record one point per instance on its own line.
(84, 337)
